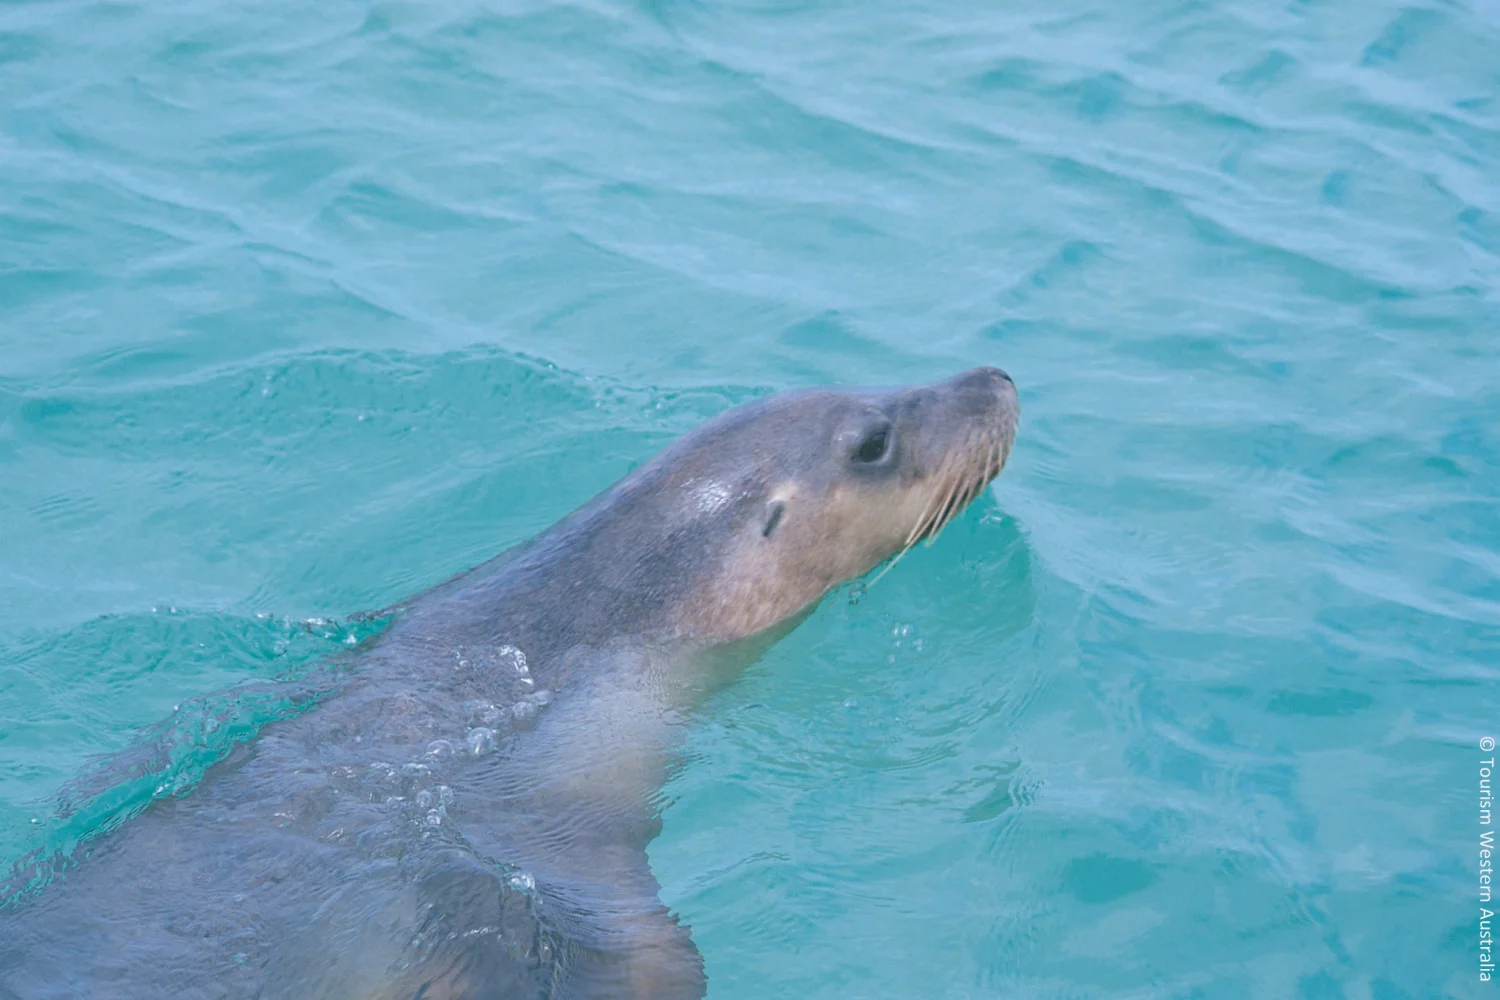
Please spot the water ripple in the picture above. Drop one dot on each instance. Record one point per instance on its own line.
(306, 307)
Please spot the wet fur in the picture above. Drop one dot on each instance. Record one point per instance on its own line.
(361, 851)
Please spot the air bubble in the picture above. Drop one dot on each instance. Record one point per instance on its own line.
(480, 741)
(524, 713)
(440, 749)
(515, 658)
(434, 818)
(522, 882)
(481, 713)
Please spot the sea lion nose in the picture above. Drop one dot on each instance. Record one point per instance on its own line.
(984, 391)
(998, 374)
(989, 378)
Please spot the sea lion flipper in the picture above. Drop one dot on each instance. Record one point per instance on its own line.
(624, 941)
(484, 935)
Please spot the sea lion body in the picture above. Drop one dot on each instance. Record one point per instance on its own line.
(465, 812)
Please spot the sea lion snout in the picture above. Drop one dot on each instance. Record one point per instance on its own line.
(960, 420)
(985, 389)
(991, 372)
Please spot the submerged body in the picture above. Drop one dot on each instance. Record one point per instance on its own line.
(465, 813)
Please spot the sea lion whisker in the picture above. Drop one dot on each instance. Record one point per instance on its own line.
(887, 567)
(924, 519)
(939, 516)
(951, 507)
(911, 541)
(923, 523)
(981, 469)
(932, 520)
(991, 470)
(994, 462)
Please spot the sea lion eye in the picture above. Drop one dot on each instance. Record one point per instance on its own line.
(874, 446)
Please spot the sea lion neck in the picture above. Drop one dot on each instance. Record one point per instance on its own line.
(615, 570)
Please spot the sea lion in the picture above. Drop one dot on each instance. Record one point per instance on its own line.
(465, 811)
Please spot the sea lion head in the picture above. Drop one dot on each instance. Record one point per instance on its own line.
(768, 507)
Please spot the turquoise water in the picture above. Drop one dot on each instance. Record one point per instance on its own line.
(304, 307)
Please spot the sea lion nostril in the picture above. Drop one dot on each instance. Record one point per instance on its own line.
(998, 374)
(986, 377)
(985, 386)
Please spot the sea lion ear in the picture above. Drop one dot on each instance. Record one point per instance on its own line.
(774, 510)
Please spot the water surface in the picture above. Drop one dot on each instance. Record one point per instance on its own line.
(304, 307)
